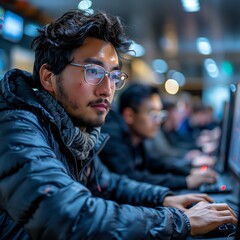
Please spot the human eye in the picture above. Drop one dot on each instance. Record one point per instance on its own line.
(92, 71)
(117, 75)
(153, 114)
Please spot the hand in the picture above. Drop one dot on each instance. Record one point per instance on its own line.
(205, 217)
(190, 155)
(199, 176)
(183, 201)
(210, 147)
(203, 160)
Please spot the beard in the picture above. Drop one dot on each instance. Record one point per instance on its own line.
(81, 121)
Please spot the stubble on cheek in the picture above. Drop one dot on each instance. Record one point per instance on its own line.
(85, 118)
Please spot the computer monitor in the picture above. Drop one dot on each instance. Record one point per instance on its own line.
(12, 28)
(226, 128)
(234, 149)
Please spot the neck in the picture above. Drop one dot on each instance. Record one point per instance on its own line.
(136, 139)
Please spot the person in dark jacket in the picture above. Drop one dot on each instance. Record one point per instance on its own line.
(52, 183)
(137, 119)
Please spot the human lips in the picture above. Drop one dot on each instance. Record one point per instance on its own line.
(101, 105)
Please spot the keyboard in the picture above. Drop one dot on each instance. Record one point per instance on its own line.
(221, 232)
(219, 186)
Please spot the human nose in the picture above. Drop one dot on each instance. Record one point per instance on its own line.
(105, 87)
(108, 75)
(157, 121)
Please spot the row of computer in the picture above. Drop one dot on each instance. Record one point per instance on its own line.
(227, 187)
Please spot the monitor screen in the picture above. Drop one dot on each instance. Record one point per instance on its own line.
(234, 150)
(226, 129)
(12, 28)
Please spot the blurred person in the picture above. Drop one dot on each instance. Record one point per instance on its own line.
(190, 125)
(171, 125)
(202, 126)
(53, 185)
(184, 110)
(138, 117)
(159, 146)
(205, 129)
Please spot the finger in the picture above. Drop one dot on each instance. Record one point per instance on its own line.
(202, 197)
(206, 197)
(196, 199)
(227, 213)
(228, 219)
(210, 173)
(222, 207)
(209, 179)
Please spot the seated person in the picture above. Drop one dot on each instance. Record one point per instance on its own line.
(189, 124)
(139, 118)
(53, 185)
(160, 147)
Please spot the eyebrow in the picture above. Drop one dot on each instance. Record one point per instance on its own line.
(97, 62)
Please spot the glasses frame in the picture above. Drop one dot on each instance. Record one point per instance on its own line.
(158, 115)
(106, 73)
(154, 115)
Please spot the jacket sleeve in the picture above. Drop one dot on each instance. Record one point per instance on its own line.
(37, 192)
(125, 190)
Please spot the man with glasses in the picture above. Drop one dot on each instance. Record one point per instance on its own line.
(139, 118)
(52, 183)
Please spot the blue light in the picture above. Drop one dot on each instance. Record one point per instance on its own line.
(30, 29)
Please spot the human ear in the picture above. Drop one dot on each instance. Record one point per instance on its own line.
(128, 115)
(46, 78)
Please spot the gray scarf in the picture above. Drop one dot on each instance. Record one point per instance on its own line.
(80, 143)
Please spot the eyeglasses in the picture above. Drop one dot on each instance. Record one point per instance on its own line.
(155, 115)
(94, 74)
(158, 115)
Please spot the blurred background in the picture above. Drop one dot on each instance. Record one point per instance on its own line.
(181, 45)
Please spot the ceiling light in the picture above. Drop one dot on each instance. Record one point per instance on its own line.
(211, 68)
(203, 46)
(84, 4)
(191, 5)
(171, 86)
(179, 77)
(159, 65)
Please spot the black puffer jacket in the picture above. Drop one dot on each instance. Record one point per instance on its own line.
(40, 195)
(124, 159)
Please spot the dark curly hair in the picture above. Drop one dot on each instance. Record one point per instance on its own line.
(56, 41)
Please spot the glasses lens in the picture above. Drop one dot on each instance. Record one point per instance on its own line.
(94, 74)
(119, 78)
(158, 116)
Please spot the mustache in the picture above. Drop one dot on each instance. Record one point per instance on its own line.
(101, 100)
